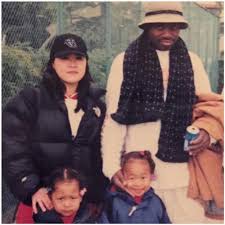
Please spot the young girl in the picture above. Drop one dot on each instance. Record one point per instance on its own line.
(139, 204)
(66, 191)
(56, 124)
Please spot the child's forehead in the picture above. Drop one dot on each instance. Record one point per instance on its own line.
(68, 184)
(136, 164)
(137, 160)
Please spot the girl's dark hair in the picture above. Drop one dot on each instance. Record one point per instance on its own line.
(57, 87)
(144, 155)
(63, 174)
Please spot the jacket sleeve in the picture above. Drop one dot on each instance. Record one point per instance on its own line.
(201, 78)
(18, 167)
(113, 133)
(103, 219)
(49, 216)
(164, 217)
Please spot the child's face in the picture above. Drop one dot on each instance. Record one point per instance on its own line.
(66, 198)
(137, 174)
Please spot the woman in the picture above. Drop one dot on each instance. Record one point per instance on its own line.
(56, 124)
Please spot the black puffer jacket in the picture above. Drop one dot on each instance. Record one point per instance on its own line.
(87, 213)
(37, 138)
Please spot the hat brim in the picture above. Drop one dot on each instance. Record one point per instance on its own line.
(68, 52)
(164, 18)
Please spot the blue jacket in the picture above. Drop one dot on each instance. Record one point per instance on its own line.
(122, 208)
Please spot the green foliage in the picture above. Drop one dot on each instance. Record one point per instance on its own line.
(99, 64)
(125, 18)
(27, 22)
(90, 28)
(19, 68)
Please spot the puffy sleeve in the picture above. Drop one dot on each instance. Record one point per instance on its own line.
(113, 133)
(18, 168)
(201, 79)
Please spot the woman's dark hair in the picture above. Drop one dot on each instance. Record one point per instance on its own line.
(144, 155)
(56, 87)
(63, 174)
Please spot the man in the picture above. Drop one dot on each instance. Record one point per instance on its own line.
(151, 90)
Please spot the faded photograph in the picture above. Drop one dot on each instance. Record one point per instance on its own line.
(112, 112)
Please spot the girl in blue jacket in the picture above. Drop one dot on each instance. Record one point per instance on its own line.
(139, 204)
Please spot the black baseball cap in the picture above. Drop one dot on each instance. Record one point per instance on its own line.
(66, 44)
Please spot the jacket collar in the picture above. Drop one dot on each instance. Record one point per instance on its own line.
(84, 214)
(93, 96)
(116, 191)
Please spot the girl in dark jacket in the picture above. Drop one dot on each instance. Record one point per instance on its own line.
(66, 190)
(54, 125)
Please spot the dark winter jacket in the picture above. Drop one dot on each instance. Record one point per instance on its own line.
(85, 214)
(122, 208)
(37, 138)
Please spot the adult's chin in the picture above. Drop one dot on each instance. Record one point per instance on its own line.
(165, 47)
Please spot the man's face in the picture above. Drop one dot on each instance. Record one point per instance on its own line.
(163, 35)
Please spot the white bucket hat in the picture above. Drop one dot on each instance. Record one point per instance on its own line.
(163, 12)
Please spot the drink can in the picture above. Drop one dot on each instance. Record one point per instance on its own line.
(191, 134)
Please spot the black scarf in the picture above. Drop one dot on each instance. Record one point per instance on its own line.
(141, 97)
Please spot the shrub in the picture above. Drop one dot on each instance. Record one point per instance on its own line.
(20, 66)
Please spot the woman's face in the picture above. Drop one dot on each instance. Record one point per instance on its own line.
(70, 69)
(66, 197)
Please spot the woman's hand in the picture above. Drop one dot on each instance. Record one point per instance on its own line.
(200, 143)
(42, 199)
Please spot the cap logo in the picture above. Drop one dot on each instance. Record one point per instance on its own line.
(71, 43)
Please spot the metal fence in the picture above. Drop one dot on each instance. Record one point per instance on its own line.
(203, 38)
(107, 28)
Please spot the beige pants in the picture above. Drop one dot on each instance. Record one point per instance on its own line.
(182, 209)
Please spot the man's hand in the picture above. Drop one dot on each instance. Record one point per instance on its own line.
(118, 180)
(42, 199)
(200, 143)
